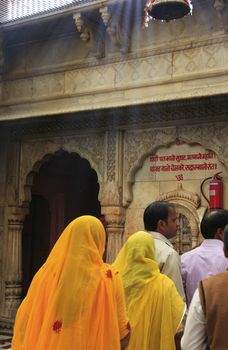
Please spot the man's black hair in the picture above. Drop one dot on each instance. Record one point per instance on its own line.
(156, 211)
(212, 221)
(225, 238)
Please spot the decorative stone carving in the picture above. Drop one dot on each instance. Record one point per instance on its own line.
(115, 219)
(92, 33)
(48, 85)
(187, 204)
(137, 146)
(220, 6)
(186, 111)
(34, 153)
(13, 283)
(116, 29)
(212, 137)
(110, 194)
(187, 198)
(111, 156)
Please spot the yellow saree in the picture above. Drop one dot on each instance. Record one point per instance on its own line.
(75, 300)
(154, 306)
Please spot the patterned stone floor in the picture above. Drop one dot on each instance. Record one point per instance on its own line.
(5, 341)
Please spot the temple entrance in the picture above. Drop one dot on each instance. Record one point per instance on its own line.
(64, 188)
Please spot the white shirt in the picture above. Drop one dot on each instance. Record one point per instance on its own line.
(168, 260)
(195, 337)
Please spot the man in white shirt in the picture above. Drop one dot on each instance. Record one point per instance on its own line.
(206, 325)
(160, 220)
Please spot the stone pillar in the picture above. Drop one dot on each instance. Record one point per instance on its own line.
(13, 281)
(111, 193)
(114, 219)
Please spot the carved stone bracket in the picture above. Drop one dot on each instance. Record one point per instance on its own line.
(91, 33)
(220, 7)
(116, 30)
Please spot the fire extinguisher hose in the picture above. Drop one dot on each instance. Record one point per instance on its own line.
(201, 189)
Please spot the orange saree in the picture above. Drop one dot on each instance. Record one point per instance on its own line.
(75, 300)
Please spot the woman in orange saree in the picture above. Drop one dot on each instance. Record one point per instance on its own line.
(75, 300)
(154, 306)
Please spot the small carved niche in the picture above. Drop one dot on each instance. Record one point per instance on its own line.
(187, 206)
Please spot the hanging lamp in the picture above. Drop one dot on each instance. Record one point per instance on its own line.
(167, 10)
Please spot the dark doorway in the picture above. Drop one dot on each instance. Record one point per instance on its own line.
(64, 188)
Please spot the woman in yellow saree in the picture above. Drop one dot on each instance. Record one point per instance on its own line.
(75, 300)
(154, 306)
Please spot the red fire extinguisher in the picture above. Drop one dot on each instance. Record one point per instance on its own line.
(215, 191)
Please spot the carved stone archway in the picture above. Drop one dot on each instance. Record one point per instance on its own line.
(35, 153)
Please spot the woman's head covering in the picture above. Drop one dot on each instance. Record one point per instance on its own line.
(155, 309)
(136, 262)
(71, 300)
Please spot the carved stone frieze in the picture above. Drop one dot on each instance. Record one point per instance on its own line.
(199, 60)
(18, 90)
(91, 33)
(34, 153)
(142, 73)
(49, 85)
(186, 111)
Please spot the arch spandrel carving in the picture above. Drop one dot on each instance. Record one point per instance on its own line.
(137, 146)
(210, 136)
(35, 153)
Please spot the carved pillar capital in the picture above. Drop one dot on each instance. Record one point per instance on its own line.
(115, 220)
(16, 215)
(110, 194)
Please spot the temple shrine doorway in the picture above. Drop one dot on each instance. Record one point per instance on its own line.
(64, 188)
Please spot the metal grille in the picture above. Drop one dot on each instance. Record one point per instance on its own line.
(14, 10)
